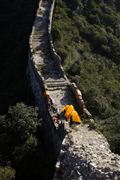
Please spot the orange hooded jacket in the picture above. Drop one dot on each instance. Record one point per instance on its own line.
(75, 117)
(68, 109)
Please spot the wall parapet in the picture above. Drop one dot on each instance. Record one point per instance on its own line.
(73, 87)
(53, 52)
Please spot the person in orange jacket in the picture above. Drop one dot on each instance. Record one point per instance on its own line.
(67, 110)
(71, 114)
(74, 118)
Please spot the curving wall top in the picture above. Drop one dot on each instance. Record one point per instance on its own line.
(84, 154)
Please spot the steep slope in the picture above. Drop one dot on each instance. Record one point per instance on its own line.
(87, 36)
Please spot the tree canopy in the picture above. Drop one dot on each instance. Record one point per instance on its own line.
(22, 150)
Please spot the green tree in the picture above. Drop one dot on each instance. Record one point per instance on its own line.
(20, 122)
(7, 173)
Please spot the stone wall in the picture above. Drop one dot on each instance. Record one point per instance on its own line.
(37, 80)
(53, 52)
(74, 149)
(38, 87)
(73, 87)
(85, 155)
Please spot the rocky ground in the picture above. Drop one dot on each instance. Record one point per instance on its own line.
(85, 154)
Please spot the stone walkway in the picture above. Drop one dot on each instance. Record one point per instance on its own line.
(54, 79)
(84, 154)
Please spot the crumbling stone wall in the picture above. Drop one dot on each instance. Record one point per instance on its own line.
(73, 87)
(84, 154)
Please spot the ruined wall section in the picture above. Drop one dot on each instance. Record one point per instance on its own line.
(73, 87)
(84, 154)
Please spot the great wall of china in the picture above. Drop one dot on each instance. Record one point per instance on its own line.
(85, 153)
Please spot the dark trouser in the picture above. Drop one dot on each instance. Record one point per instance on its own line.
(71, 122)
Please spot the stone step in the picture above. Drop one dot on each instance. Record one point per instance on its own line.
(57, 81)
(57, 84)
(41, 34)
(35, 36)
(57, 88)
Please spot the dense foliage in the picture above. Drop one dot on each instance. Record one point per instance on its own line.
(86, 34)
(22, 145)
(7, 173)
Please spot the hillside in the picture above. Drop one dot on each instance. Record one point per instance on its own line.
(86, 35)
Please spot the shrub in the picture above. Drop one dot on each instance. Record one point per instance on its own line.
(16, 127)
(20, 121)
(7, 173)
